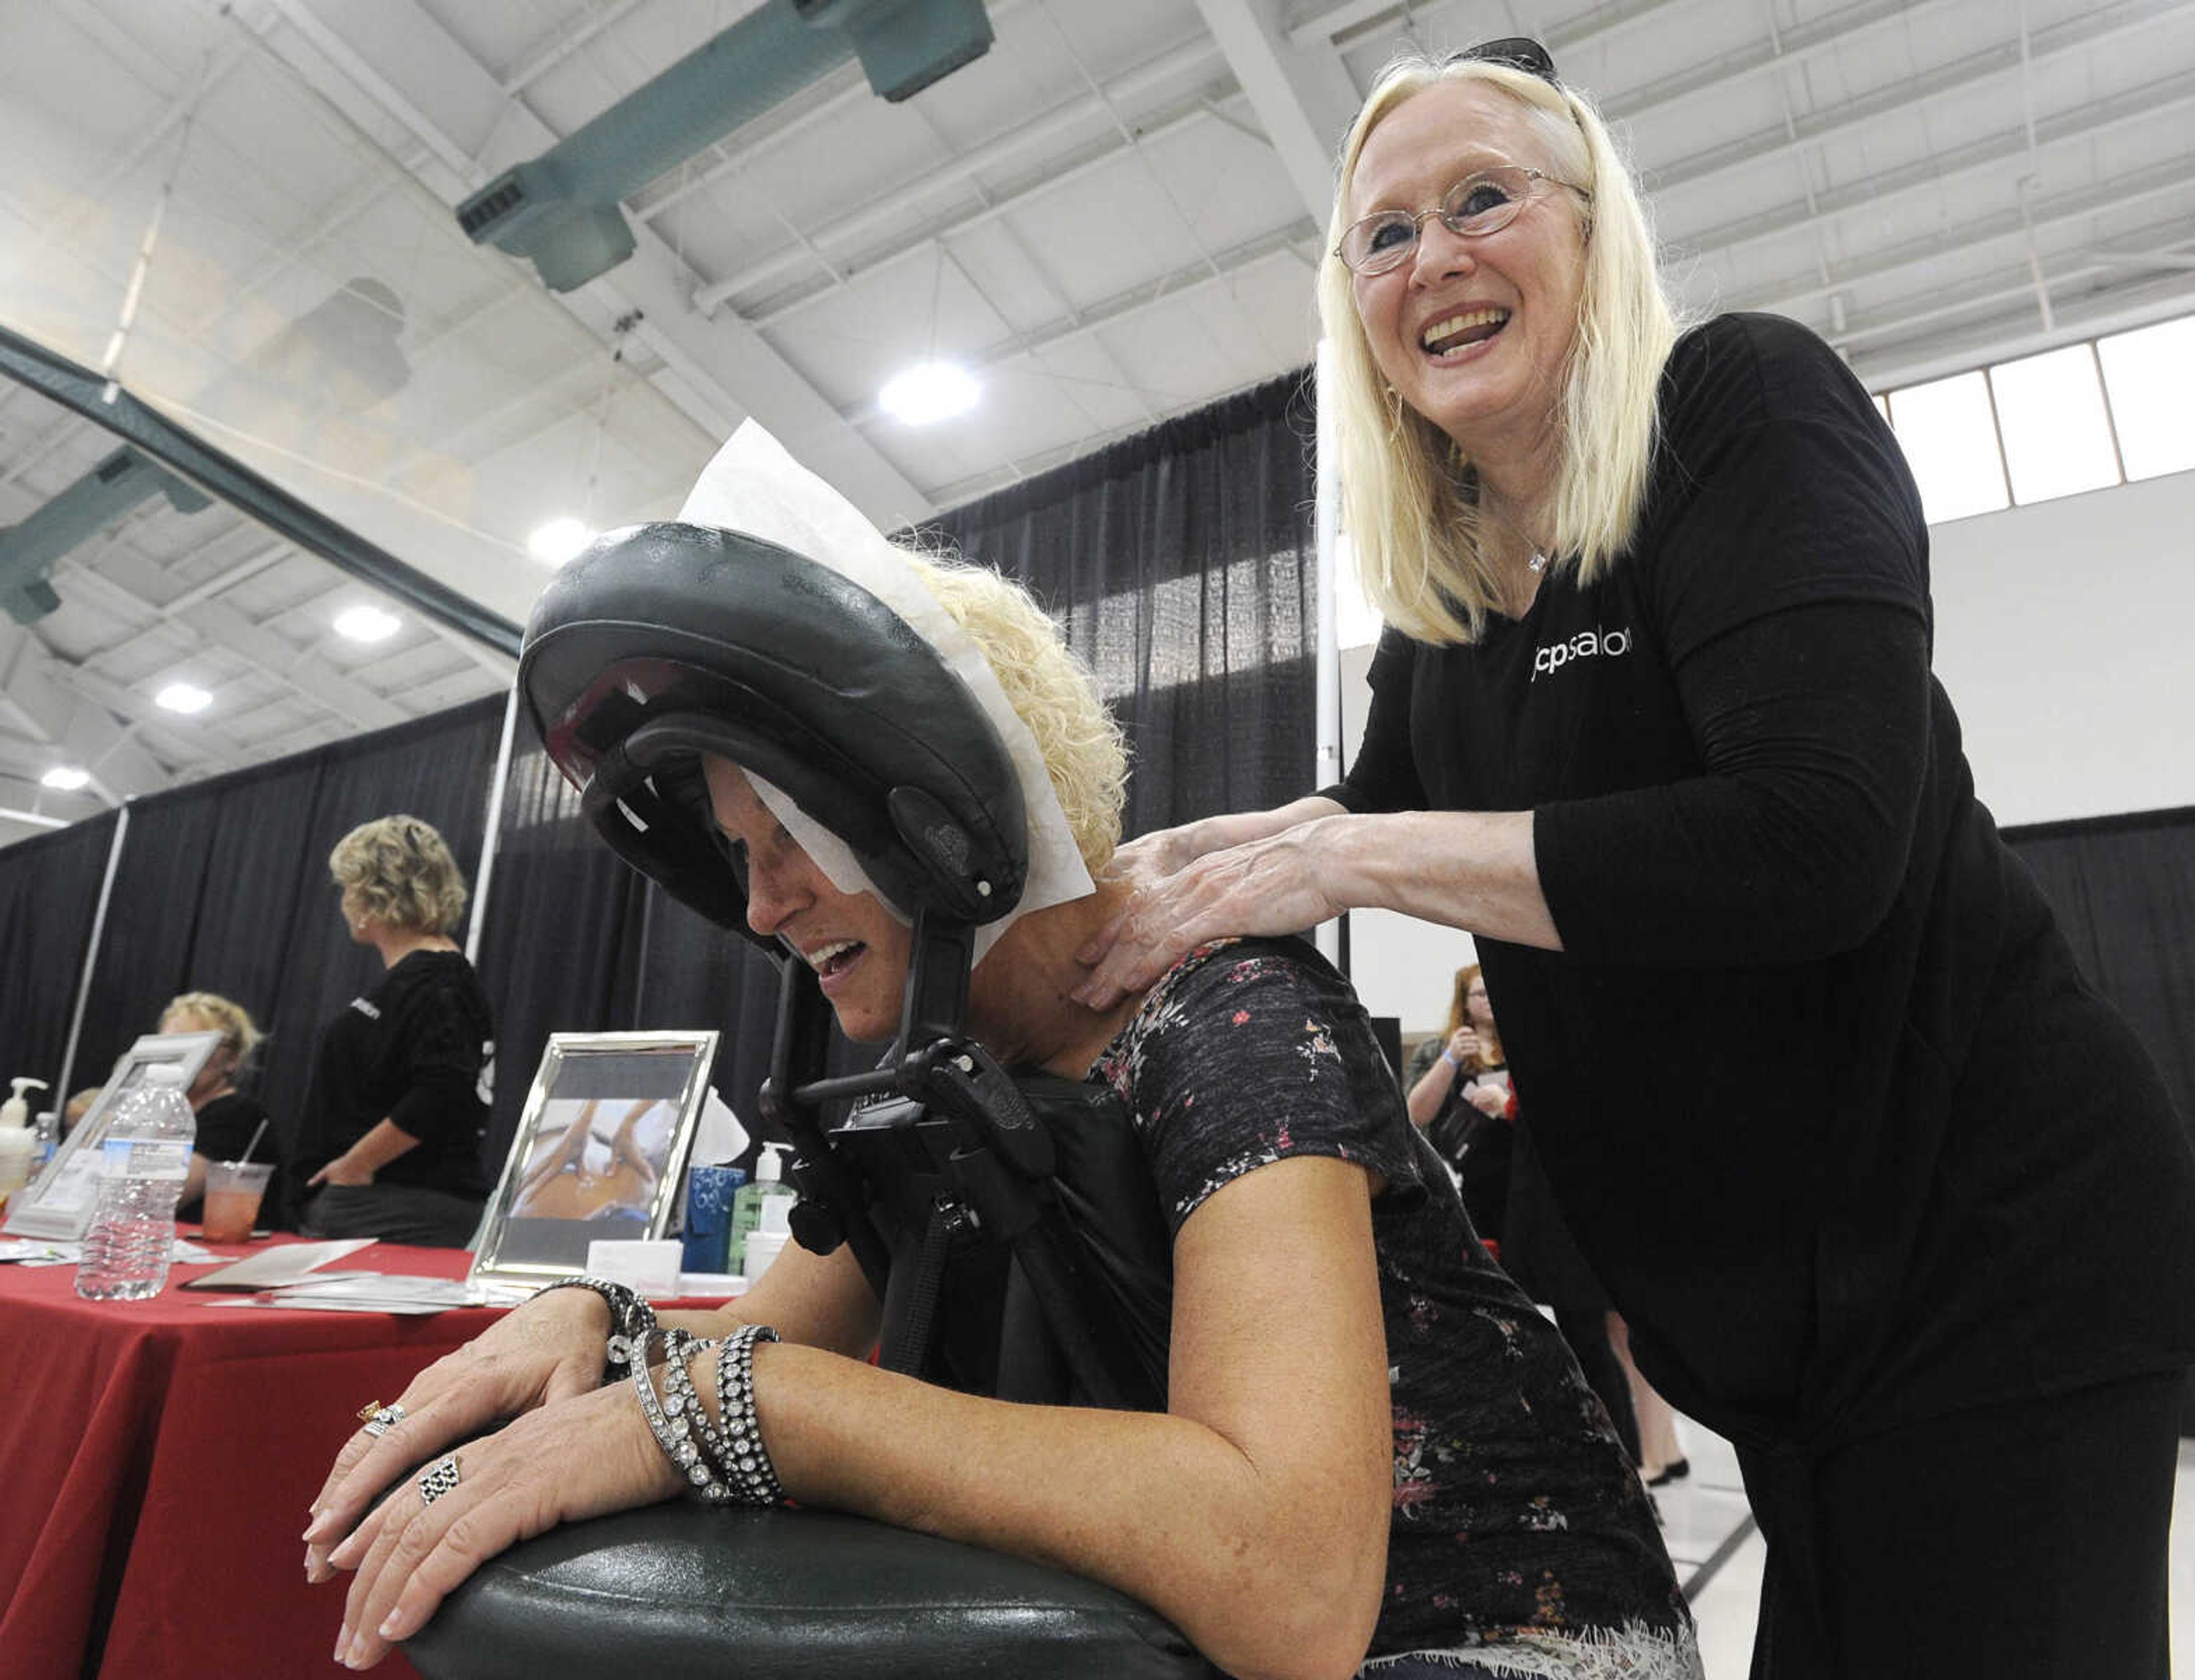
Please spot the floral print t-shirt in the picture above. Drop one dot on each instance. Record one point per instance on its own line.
(1522, 1540)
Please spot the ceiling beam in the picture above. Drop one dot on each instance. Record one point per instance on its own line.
(900, 252)
(401, 58)
(118, 581)
(2000, 338)
(1788, 49)
(1197, 58)
(1353, 21)
(2075, 205)
(2008, 149)
(1300, 89)
(1977, 71)
(822, 102)
(1125, 306)
(55, 725)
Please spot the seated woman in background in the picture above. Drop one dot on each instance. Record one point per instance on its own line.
(389, 1143)
(1374, 1447)
(229, 1122)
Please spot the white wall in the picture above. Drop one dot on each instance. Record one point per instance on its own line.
(2066, 638)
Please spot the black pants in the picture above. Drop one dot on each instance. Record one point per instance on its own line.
(405, 1213)
(2026, 1541)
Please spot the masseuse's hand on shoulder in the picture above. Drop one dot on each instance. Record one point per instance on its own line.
(1259, 872)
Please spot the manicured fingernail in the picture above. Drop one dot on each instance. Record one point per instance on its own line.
(320, 1528)
(344, 1555)
(355, 1658)
(394, 1628)
(342, 1644)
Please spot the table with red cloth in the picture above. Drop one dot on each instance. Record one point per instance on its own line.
(156, 1458)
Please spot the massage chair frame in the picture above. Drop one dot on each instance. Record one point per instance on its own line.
(948, 1142)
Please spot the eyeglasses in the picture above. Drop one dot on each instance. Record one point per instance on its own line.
(1518, 52)
(1474, 207)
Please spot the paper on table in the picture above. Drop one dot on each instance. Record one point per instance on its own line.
(366, 1292)
(293, 1263)
(39, 1252)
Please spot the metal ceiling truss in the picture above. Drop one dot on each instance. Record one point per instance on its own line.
(2008, 146)
(402, 58)
(1971, 74)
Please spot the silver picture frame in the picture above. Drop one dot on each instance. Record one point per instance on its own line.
(599, 1154)
(57, 1205)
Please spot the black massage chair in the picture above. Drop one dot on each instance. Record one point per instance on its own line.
(1006, 1222)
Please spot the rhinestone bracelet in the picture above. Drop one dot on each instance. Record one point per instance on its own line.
(668, 1419)
(746, 1460)
(689, 1423)
(631, 1317)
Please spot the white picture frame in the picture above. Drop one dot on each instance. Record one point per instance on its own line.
(57, 1205)
(600, 1151)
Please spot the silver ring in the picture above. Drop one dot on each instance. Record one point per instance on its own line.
(438, 1479)
(385, 1419)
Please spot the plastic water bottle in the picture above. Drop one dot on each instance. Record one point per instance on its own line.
(143, 1163)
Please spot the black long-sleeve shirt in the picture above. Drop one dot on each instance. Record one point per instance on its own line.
(414, 1051)
(1823, 1097)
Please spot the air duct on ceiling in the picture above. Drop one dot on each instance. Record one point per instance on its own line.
(560, 210)
(28, 551)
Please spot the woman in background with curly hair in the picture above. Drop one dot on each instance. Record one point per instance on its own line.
(390, 1146)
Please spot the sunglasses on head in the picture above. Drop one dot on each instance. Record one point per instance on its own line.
(1518, 52)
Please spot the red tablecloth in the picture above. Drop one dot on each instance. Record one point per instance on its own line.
(156, 1460)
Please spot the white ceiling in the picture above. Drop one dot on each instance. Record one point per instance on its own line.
(1113, 217)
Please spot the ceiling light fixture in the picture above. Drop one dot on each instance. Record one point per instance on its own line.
(367, 624)
(65, 778)
(183, 697)
(558, 540)
(929, 392)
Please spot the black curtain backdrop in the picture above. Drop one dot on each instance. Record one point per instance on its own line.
(49, 893)
(224, 886)
(1183, 564)
(2125, 891)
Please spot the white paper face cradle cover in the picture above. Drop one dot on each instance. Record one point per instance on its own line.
(752, 486)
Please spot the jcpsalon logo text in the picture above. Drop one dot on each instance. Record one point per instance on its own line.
(1585, 645)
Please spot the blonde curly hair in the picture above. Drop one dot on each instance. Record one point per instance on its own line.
(400, 872)
(240, 1033)
(1052, 691)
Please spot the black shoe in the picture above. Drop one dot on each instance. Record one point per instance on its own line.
(1673, 1472)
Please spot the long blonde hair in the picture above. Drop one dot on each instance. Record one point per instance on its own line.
(1409, 496)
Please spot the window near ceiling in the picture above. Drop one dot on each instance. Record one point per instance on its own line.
(2102, 412)
(1949, 434)
(2150, 375)
(2050, 413)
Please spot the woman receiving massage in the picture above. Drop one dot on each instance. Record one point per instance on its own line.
(1375, 1454)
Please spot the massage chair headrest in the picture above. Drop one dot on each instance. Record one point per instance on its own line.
(661, 642)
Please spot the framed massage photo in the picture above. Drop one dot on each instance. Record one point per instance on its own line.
(601, 1146)
(57, 1204)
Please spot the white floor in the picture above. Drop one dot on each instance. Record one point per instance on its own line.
(1717, 1553)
